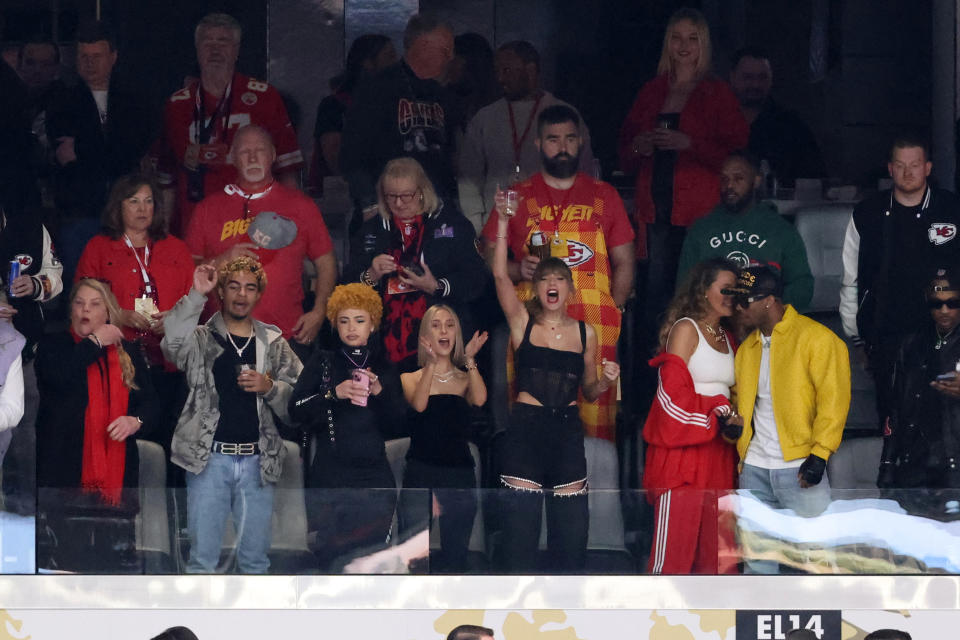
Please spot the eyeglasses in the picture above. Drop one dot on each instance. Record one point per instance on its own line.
(936, 303)
(404, 198)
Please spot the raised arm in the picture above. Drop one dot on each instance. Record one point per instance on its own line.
(506, 293)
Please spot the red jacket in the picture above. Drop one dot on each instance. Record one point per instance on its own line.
(712, 119)
(171, 268)
(684, 447)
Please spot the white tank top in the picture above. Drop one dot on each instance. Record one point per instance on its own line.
(712, 371)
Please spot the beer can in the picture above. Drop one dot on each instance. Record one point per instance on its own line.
(13, 275)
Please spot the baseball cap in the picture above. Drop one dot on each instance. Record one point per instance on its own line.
(758, 281)
(270, 230)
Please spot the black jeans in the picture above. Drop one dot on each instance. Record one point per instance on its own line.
(544, 446)
(455, 490)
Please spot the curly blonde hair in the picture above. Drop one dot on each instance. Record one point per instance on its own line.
(242, 263)
(115, 317)
(355, 295)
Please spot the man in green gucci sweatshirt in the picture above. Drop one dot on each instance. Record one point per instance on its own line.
(748, 231)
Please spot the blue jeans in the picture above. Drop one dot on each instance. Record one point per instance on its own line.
(229, 484)
(780, 489)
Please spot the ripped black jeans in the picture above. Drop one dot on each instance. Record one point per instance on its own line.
(543, 459)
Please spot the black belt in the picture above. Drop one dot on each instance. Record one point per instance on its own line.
(237, 448)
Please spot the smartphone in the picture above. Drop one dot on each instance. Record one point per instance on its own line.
(361, 378)
(950, 375)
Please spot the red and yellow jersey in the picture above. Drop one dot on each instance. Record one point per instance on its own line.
(247, 101)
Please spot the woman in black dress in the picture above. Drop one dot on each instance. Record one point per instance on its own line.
(441, 393)
(349, 397)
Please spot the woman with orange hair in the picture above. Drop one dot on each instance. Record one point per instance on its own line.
(349, 397)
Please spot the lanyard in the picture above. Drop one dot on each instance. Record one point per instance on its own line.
(204, 129)
(518, 143)
(143, 264)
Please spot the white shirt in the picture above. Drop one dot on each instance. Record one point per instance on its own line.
(764, 450)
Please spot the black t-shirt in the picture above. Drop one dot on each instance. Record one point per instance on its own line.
(239, 421)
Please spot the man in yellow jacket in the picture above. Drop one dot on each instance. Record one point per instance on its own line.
(793, 391)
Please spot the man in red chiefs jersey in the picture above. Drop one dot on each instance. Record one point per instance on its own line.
(201, 120)
(277, 225)
(571, 216)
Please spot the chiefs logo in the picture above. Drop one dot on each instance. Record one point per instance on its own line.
(24, 260)
(941, 232)
(577, 253)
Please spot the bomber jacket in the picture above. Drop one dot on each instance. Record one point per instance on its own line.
(193, 349)
(682, 434)
(809, 385)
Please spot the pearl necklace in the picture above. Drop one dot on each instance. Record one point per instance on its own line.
(239, 350)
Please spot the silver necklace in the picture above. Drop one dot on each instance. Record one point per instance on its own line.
(446, 376)
(239, 350)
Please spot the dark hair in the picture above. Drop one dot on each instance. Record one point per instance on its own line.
(906, 139)
(747, 156)
(91, 31)
(123, 188)
(888, 634)
(38, 39)
(469, 632)
(801, 634)
(546, 267)
(748, 52)
(176, 633)
(557, 114)
(523, 50)
(420, 24)
(364, 48)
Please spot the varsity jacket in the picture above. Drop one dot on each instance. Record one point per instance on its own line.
(194, 349)
(684, 448)
(449, 249)
(809, 386)
(24, 239)
(888, 261)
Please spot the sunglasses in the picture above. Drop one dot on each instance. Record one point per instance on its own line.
(952, 303)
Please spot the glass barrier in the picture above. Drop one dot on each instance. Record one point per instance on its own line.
(455, 531)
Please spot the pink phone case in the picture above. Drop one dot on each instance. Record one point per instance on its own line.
(365, 381)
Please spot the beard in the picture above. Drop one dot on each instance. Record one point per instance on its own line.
(563, 165)
(735, 204)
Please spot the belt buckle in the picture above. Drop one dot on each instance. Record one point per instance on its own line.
(246, 448)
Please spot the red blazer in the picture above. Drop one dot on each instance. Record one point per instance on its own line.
(684, 447)
(712, 119)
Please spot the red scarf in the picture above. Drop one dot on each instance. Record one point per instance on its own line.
(402, 313)
(104, 459)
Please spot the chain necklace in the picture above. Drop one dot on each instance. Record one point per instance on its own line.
(366, 356)
(239, 350)
(446, 376)
(718, 334)
(942, 340)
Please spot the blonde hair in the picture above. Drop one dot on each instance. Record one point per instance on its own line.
(115, 317)
(355, 295)
(242, 263)
(458, 357)
(407, 168)
(696, 18)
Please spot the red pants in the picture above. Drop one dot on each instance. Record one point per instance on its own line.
(685, 538)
